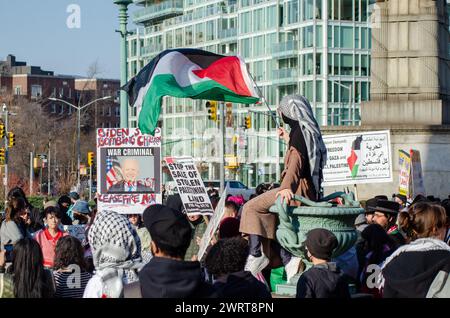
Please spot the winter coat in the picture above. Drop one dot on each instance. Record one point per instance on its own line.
(241, 285)
(169, 278)
(323, 281)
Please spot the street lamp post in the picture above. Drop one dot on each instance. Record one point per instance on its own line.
(79, 109)
(123, 17)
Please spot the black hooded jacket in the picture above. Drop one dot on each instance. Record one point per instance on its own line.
(169, 278)
(323, 281)
(410, 274)
(241, 285)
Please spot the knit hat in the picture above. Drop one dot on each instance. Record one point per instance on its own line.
(74, 195)
(387, 206)
(321, 243)
(81, 207)
(169, 228)
(229, 227)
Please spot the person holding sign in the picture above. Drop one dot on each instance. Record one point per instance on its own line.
(302, 175)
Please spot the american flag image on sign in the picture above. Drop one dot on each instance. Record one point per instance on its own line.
(113, 171)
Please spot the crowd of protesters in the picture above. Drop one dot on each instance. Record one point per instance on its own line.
(402, 250)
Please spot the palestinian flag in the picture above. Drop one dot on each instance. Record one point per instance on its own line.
(355, 154)
(189, 73)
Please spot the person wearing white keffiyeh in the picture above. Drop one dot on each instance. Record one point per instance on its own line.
(116, 250)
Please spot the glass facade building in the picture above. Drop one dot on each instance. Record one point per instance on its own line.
(317, 48)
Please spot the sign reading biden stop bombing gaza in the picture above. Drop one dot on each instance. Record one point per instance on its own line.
(358, 158)
(128, 169)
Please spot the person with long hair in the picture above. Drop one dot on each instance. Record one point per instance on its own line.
(35, 220)
(27, 275)
(69, 259)
(14, 227)
(412, 269)
(302, 175)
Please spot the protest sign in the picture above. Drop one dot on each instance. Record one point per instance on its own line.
(212, 226)
(404, 162)
(128, 169)
(417, 185)
(190, 185)
(358, 158)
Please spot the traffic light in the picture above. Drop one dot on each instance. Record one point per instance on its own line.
(11, 139)
(2, 155)
(248, 122)
(90, 158)
(2, 131)
(212, 110)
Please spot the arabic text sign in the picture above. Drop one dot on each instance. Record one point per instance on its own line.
(358, 158)
(404, 162)
(128, 173)
(190, 185)
(212, 226)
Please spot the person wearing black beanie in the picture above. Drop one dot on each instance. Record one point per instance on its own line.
(324, 279)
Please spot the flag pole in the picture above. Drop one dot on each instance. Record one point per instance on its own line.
(265, 102)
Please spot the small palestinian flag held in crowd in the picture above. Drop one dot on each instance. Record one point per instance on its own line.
(353, 160)
(191, 73)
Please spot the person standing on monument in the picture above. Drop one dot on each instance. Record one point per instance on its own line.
(302, 175)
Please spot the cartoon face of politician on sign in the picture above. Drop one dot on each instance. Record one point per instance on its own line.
(130, 171)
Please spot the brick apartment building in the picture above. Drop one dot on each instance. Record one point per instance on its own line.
(20, 80)
(106, 113)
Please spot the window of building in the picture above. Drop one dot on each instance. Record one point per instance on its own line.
(169, 39)
(346, 64)
(246, 48)
(53, 108)
(61, 92)
(258, 71)
(70, 111)
(346, 10)
(117, 111)
(271, 39)
(258, 20)
(292, 11)
(308, 64)
(318, 9)
(318, 91)
(319, 36)
(364, 7)
(336, 36)
(61, 110)
(258, 46)
(70, 93)
(347, 37)
(308, 36)
(245, 22)
(188, 35)
(308, 9)
(364, 91)
(179, 37)
(245, 3)
(271, 17)
(357, 43)
(36, 91)
(308, 90)
(210, 30)
(318, 64)
(364, 65)
(336, 64)
(199, 32)
(364, 38)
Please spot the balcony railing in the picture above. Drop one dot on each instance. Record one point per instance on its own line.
(153, 28)
(159, 11)
(229, 33)
(285, 48)
(285, 75)
(151, 49)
